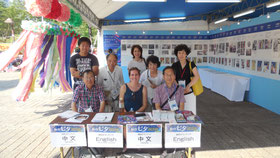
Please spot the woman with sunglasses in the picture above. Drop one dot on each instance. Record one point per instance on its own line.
(133, 94)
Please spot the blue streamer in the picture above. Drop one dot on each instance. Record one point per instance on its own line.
(67, 60)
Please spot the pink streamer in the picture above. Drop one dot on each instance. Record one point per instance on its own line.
(32, 56)
(61, 44)
(8, 56)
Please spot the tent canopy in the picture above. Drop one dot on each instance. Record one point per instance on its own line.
(110, 12)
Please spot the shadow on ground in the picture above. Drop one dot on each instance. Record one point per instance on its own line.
(5, 85)
(63, 104)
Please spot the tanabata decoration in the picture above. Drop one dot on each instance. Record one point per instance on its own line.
(47, 49)
(75, 19)
(55, 11)
(52, 9)
(65, 13)
(38, 7)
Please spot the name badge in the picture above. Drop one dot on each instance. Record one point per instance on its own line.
(173, 105)
(182, 83)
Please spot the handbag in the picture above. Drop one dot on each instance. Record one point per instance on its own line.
(197, 87)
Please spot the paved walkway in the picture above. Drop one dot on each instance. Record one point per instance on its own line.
(24, 130)
(231, 130)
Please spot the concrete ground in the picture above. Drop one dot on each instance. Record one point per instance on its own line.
(231, 129)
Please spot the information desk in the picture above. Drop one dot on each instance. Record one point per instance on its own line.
(110, 135)
(232, 87)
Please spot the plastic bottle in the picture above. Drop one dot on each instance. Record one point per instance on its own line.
(121, 105)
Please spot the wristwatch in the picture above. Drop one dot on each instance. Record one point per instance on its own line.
(81, 74)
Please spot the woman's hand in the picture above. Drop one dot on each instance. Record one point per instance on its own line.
(187, 89)
(153, 86)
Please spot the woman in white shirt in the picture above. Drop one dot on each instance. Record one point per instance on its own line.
(151, 78)
(138, 61)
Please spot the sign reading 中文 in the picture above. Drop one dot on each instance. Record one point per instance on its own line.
(68, 135)
(144, 135)
(182, 135)
(105, 135)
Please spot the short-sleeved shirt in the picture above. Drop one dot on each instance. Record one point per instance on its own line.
(88, 97)
(111, 81)
(82, 63)
(183, 73)
(158, 80)
(140, 65)
(161, 95)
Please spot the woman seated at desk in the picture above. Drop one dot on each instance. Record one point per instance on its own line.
(133, 94)
(169, 96)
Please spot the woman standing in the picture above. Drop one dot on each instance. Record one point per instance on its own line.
(151, 78)
(138, 61)
(183, 75)
(134, 94)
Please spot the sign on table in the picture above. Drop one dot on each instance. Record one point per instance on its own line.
(105, 135)
(182, 135)
(144, 135)
(68, 135)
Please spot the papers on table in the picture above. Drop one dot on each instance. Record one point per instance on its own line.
(68, 114)
(103, 117)
(78, 119)
(143, 116)
(164, 116)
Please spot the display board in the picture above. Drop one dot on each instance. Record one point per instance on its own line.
(252, 50)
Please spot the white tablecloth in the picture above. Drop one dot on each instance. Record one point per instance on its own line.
(206, 76)
(233, 87)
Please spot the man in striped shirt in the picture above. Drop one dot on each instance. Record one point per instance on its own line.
(89, 96)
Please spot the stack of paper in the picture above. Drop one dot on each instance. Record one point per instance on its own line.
(164, 116)
(68, 114)
(103, 117)
(78, 118)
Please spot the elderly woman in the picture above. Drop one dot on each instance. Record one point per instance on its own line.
(151, 78)
(138, 61)
(183, 75)
(134, 94)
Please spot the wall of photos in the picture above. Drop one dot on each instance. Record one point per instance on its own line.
(252, 51)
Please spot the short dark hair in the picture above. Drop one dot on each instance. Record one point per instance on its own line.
(168, 67)
(153, 59)
(139, 47)
(132, 69)
(181, 47)
(113, 55)
(84, 39)
(87, 72)
(110, 50)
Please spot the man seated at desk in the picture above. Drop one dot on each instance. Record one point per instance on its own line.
(89, 95)
(111, 79)
(169, 96)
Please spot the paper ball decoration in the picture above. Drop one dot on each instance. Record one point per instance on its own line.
(75, 19)
(65, 13)
(38, 7)
(78, 20)
(55, 11)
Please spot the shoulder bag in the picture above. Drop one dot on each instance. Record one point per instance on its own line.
(197, 87)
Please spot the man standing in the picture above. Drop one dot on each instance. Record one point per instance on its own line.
(83, 61)
(111, 79)
(89, 95)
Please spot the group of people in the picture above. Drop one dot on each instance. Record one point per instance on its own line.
(102, 90)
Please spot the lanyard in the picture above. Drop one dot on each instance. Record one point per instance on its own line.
(111, 77)
(88, 99)
(182, 74)
(167, 90)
